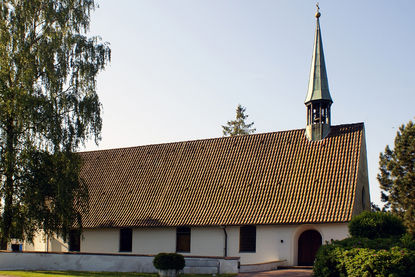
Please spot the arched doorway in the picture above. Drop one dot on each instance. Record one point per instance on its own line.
(308, 244)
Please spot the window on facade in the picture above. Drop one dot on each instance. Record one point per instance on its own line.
(183, 239)
(247, 239)
(126, 240)
(17, 247)
(74, 241)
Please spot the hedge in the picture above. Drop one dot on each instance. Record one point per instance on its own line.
(376, 248)
(376, 225)
(333, 260)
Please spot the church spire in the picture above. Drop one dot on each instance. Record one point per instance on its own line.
(318, 100)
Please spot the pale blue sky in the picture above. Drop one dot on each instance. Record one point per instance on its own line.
(179, 68)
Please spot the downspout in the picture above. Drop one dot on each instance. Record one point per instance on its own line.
(226, 241)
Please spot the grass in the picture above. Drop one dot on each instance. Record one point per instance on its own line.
(89, 274)
(41, 273)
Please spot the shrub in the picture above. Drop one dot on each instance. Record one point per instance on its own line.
(407, 241)
(165, 261)
(369, 262)
(377, 243)
(333, 260)
(327, 262)
(376, 225)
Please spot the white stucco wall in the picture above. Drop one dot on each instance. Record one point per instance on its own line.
(208, 241)
(269, 246)
(100, 241)
(154, 240)
(328, 232)
(42, 243)
(273, 242)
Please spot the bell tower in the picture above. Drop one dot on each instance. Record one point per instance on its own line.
(318, 100)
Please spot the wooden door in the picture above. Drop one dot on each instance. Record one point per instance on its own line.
(308, 244)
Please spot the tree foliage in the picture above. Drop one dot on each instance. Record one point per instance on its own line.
(397, 176)
(48, 108)
(238, 126)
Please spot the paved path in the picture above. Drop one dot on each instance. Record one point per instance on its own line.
(280, 272)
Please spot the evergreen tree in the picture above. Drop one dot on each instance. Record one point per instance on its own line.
(238, 126)
(48, 108)
(397, 176)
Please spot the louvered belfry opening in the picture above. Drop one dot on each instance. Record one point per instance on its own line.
(318, 113)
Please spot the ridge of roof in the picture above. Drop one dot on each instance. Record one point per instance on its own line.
(215, 138)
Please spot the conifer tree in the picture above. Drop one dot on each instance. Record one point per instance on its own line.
(238, 126)
(48, 108)
(397, 176)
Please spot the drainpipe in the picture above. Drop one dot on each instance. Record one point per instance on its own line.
(226, 241)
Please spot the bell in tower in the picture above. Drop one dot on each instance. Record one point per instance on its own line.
(318, 100)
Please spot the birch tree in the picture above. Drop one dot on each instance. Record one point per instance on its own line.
(48, 109)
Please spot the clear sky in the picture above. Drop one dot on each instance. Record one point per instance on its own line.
(179, 68)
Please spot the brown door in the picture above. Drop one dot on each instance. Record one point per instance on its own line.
(308, 244)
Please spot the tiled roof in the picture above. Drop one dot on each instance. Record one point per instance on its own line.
(270, 178)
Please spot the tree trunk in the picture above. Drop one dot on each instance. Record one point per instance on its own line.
(8, 187)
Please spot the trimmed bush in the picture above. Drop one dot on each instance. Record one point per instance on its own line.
(376, 225)
(165, 261)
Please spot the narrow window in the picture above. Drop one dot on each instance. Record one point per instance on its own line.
(74, 241)
(126, 240)
(183, 239)
(363, 199)
(247, 239)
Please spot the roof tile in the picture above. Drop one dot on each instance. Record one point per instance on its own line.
(271, 178)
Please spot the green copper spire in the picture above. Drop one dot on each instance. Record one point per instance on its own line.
(318, 100)
(318, 86)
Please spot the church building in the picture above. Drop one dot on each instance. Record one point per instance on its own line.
(262, 197)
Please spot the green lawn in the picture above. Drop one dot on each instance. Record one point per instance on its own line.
(88, 274)
(41, 273)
